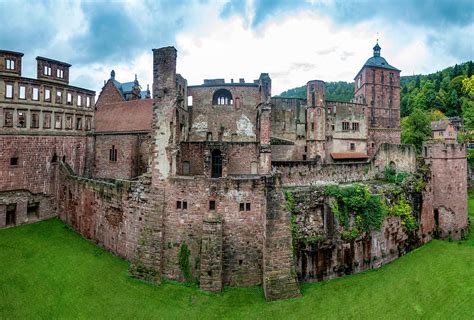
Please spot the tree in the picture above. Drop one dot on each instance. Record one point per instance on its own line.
(416, 129)
(436, 115)
(469, 69)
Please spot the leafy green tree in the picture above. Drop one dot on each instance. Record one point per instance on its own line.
(416, 129)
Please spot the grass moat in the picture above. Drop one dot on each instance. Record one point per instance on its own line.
(49, 271)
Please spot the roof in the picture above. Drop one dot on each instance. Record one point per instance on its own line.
(53, 61)
(125, 116)
(127, 87)
(348, 155)
(379, 62)
(439, 125)
(12, 52)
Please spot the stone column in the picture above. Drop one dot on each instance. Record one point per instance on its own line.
(211, 253)
(279, 274)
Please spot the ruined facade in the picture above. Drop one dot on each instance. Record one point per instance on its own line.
(200, 173)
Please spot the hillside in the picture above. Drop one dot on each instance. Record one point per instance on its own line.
(340, 91)
(442, 90)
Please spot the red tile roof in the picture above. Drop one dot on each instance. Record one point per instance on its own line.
(348, 155)
(125, 116)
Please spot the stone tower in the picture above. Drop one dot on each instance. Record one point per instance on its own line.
(316, 119)
(448, 188)
(378, 85)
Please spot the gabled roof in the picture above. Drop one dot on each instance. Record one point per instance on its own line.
(440, 125)
(125, 116)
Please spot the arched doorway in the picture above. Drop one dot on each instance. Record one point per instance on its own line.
(216, 164)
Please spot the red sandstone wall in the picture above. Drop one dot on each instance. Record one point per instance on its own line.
(236, 122)
(109, 94)
(133, 152)
(112, 215)
(35, 171)
(242, 231)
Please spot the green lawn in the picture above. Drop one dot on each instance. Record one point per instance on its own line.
(48, 271)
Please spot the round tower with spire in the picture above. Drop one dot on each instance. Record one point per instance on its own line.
(377, 84)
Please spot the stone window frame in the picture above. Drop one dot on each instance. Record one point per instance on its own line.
(345, 125)
(88, 123)
(60, 73)
(186, 164)
(5, 118)
(182, 205)
(69, 101)
(20, 86)
(222, 97)
(79, 123)
(21, 123)
(10, 64)
(56, 115)
(69, 122)
(212, 205)
(47, 124)
(113, 153)
(47, 70)
(79, 100)
(244, 207)
(47, 97)
(88, 101)
(355, 126)
(59, 96)
(12, 92)
(33, 90)
(33, 124)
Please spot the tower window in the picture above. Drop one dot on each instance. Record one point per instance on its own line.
(212, 205)
(355, 126)
(113, 154)
(47, 70)
(222, 97)
(345, 126)
(60, 73)
(10, 64)
(216, 164)
(14, 161)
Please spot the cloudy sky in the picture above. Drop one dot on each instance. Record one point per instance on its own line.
(294, 41)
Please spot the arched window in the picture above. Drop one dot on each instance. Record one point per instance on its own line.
(216, 164)
(222, 97)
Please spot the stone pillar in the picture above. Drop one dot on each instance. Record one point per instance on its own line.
(264, 135)
(211, 253)
(164, 105)
(148, 263)
(3, 215)
(21, 211)
(279, 274)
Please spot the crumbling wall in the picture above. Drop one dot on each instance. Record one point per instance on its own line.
(111, 214)
(324, 249)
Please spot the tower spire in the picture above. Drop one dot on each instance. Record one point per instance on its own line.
(377, 49)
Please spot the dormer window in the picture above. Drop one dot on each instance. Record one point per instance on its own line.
(9, 64)
(47, 71)
(60, 73)
(222, 97)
